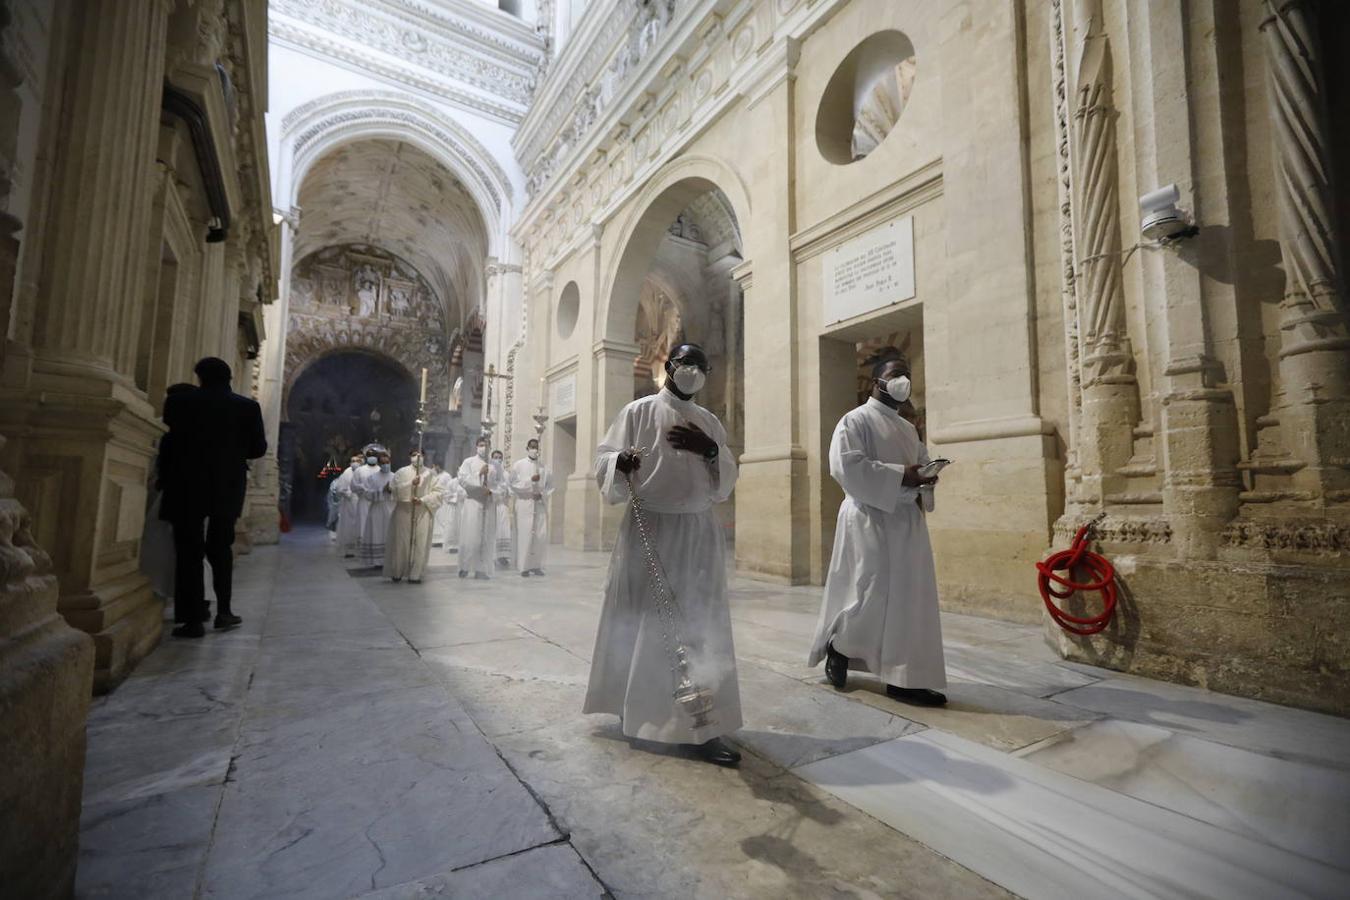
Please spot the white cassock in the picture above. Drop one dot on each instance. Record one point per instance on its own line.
(478, 517)
(454, 502)
(349, 512)
(411, 525)
(504, 542)
(881, 601)
(631, 669)
(441, 523)
(370, 483)
(531, 514)
(362, 503)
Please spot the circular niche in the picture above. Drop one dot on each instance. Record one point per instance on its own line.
(865, 97)
(569, 308)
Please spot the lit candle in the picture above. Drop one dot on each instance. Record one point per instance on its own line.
(424, 385)
(543, 392)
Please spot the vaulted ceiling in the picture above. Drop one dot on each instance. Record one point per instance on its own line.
(393, 195)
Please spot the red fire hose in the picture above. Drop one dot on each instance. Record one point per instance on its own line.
(1095, 566)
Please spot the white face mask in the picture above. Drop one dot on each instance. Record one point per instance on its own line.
(532, 453)
(689, 379)
(370, 461)
(482, 453)
(497, 460)
(417, 461)
(384, 467)
(899, 388)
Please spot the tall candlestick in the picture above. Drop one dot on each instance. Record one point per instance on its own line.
(423, 398)
(543, 393)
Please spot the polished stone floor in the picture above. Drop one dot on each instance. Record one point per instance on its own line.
(358, 738)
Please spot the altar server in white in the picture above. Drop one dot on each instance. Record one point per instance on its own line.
(349, 508)
(880, 611)
(417, 497)
(450, 512)
(531, 483)
(505, 539)
(372, 465)
(377, 490)
(442, 518)
(681, 469)
(482, 483)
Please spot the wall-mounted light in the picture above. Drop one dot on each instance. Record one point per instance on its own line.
(1161, 219)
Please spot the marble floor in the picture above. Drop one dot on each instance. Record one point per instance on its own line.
(358, 738)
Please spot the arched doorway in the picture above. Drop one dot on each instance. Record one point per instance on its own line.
(675, 282)
(336, 406)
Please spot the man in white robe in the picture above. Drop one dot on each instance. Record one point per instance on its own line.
(349, 508)
(505, 542)
(442, 517)
(372, 465)
(376, 488)
(880, 610)
(531, 483)
(451, 505)
(482, 484)
(682, 469)
(417, 497)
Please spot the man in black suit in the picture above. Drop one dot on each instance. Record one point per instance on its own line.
(213, 432)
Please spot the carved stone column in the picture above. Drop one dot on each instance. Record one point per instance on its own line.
(82, 434)
(1109, 399)
(1313, 407)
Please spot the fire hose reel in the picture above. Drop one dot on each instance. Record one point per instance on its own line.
(1055, 577)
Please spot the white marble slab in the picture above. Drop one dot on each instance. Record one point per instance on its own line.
(1042, 834)
(1297, 806)
(1236, 721)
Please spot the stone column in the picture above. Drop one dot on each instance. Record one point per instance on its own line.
(45, 665)
(772, 494)
(1110, 400)
(1313, 407)
(612, 385)
(83, 435)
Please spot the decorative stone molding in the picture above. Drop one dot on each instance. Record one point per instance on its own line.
(287, 32)
(1301, 537)
(1115, 530)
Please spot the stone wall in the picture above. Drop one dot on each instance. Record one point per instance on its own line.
(1193, 391)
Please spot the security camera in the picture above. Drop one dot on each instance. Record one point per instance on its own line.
(1161, 219)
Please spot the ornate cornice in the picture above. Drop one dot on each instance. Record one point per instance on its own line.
(457, 50)
(328, 47)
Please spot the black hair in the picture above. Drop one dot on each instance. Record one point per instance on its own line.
(883, 358)
(213, 370)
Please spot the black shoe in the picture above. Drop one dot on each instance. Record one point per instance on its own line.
(189, 630)
(836, 667)
(463, 573)
(414, 581)
(718, 753)
(539, 573)
(916, 696)
(225, 620)
(397, 578)
(526, 574)
(481, 576)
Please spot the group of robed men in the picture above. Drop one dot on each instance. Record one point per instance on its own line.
(880, 608)
(392, 519)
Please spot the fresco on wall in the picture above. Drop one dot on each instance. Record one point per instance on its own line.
(359, 297)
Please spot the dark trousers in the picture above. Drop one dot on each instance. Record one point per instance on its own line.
(189, 592)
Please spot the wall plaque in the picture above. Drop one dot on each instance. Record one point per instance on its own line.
(872, 270)
(564, 396)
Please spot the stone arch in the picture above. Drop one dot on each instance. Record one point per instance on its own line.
(312, 130)
(668, 192)
(309, 343)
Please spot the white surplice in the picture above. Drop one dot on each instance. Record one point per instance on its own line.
(362, 503)
(370, 484)
(505, 540)
(881, 602)
(631, 669)
(478, 516)
(349, 512)
(531, 514)
(448, 511)
(411, 524)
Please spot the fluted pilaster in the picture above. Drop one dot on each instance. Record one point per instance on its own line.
(92, 275)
